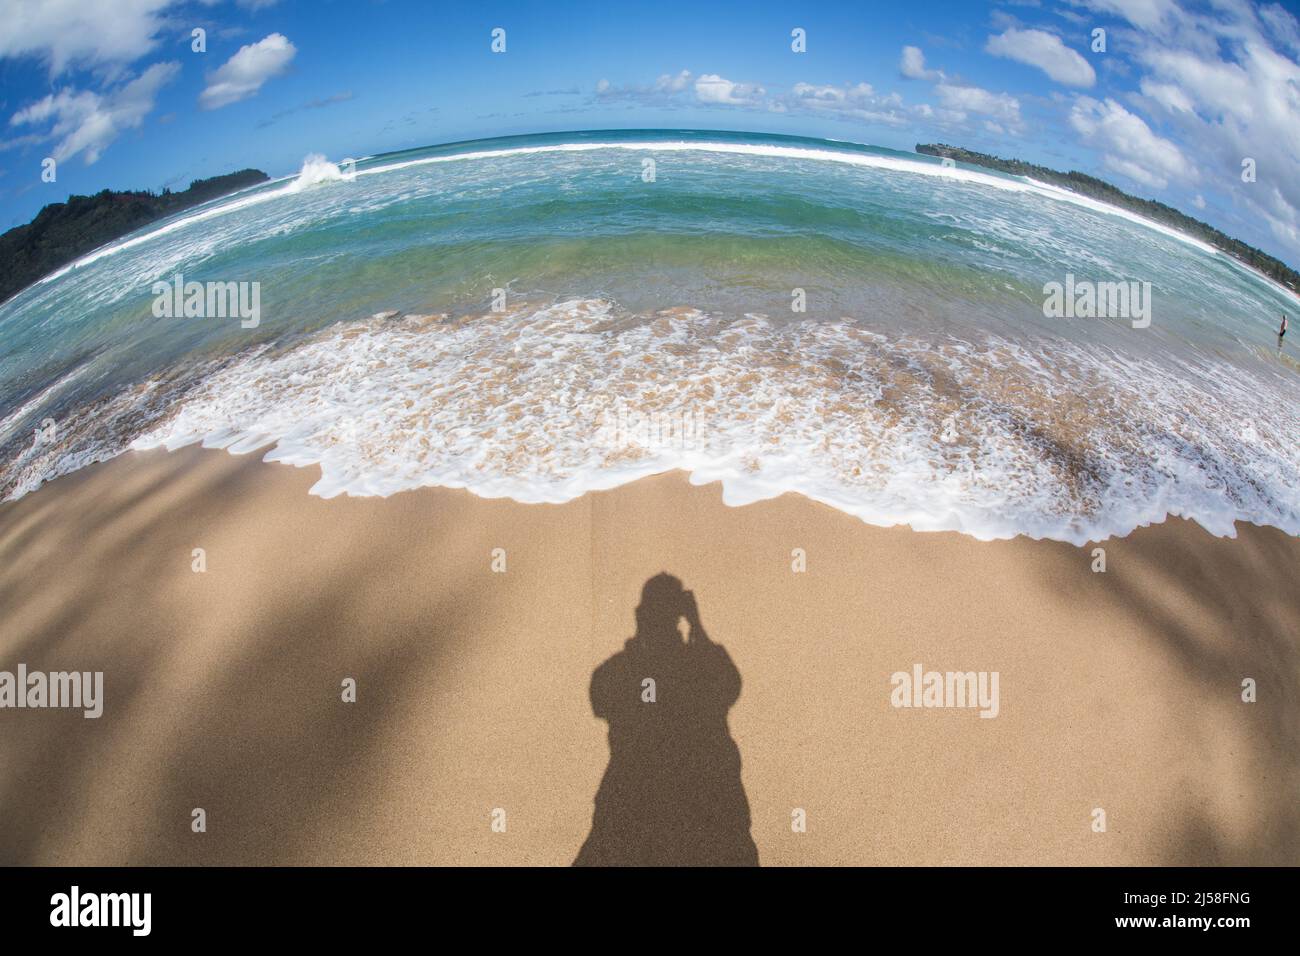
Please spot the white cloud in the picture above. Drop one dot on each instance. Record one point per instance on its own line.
(86, 122)
(1146, 14)
(1224, 83)
(999, 112)
(244, 73)
(711, 88)
(856, 102)
(1217, 86)
(669, 83)
(912, 65)
(1128, 145)
(960, 100)
(683, 89)
(93, 33)
(1046, 52)
(660, 93)
(1168, 95)
(1282, 25)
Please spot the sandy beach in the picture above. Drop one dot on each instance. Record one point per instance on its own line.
(1119, 691)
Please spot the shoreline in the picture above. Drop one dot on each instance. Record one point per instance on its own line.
(1118, 690)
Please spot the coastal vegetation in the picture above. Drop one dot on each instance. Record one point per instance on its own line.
(1101, 190)
(62, 232)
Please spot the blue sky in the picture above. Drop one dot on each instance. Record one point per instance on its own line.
(1181, 95)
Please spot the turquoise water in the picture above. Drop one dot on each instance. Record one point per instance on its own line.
(649, 325)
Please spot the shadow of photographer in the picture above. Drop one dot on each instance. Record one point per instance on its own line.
(672, 793)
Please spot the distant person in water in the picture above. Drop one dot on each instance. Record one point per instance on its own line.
(1281, 332)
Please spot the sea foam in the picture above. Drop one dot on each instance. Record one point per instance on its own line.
(989, 438)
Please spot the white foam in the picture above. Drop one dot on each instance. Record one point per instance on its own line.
(989, 438)
(84, 435)
(316, 169)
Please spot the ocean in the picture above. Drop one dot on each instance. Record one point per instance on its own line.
(540, 316)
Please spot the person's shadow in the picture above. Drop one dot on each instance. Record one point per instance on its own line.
(672, 794)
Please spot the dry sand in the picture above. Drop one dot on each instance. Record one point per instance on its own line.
(1119, 691)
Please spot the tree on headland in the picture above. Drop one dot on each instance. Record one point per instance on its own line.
(63, 232)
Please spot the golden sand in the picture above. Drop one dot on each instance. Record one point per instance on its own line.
(1119, 691)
